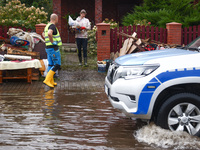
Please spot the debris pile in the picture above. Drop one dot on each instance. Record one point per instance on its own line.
(133, 44)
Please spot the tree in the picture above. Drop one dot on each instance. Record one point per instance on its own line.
(160, 12)
(3, 2)
(46, 4)
(14, 13)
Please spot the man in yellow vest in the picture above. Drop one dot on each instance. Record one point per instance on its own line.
(52, 41)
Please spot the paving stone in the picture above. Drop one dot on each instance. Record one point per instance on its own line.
(76, 80)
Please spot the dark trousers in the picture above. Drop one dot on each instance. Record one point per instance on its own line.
(82, 42)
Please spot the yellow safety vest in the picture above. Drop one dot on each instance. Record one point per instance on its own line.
(55, 37)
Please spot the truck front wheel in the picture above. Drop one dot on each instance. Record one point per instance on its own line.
(181, 112)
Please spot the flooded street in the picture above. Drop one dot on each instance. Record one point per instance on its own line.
(55, 119)
(75, 115)
(60, 119)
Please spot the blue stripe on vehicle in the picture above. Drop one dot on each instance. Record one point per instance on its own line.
(146, 94)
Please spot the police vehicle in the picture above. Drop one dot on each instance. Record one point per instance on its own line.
(161, 86)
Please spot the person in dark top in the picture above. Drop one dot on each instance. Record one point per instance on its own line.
(53, 28)
(52, 41)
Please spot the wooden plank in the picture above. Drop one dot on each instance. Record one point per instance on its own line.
(138, 46)
(35, 55)
(22, 77)
(161, 35)
(134, 28)
(130, 43)
(143, 32)
(125, 31)
(190, 34)
(194, 32)
(198, 30)
(152, 33)
(147, 32)
(111, 41)
(138, 31)
(29, 75)
(120, 38)
(129, 30)
(123, 49)
(133, 47)
(185, 36)
(156, 34)
(116, 38)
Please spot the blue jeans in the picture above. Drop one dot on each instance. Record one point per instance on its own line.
(54, 59)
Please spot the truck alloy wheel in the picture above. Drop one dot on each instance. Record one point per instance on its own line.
(181, 112)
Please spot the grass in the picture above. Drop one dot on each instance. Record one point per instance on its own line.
(69, 61)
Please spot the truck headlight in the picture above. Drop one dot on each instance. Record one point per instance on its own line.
(129, 72)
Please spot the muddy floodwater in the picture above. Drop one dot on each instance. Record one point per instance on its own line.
(75, 115)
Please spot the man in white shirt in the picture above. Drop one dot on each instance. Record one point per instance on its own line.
(82, 36)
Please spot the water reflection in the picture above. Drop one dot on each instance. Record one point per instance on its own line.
(50, 107)
(55, 119)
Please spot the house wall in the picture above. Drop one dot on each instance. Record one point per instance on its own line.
(116, 9)
(112, 9)
(74, 7)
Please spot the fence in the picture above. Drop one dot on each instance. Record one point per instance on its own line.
(190, 34)
(4, 30)
(110, 41)
(143, 32)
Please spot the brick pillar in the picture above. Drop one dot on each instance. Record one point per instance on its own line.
(174, 33)
(57, 10)
(40, 28)
(103, 41)
(98, 11)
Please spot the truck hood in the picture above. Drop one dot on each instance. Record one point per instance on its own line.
(142, 57)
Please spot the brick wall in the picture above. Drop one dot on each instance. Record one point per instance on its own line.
(174, 31)
(40, 28)
(98, 11)
(174, 36)
(103, 43)
(112, 9)
(57, 10)
(74, 7)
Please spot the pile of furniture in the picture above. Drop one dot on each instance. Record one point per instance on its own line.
(31, 69)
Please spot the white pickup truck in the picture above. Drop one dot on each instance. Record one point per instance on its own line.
(162, 86)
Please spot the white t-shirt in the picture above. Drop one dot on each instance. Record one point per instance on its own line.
(84, 22)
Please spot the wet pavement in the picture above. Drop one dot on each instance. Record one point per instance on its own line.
(74, 115)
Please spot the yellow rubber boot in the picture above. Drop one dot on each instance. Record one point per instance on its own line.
(53, 83)
(48, 78)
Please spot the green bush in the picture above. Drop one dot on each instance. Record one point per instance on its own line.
(113, 24)
(160, 12)
(92, 42)
(16, 14)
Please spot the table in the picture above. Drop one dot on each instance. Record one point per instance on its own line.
(17, 65)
